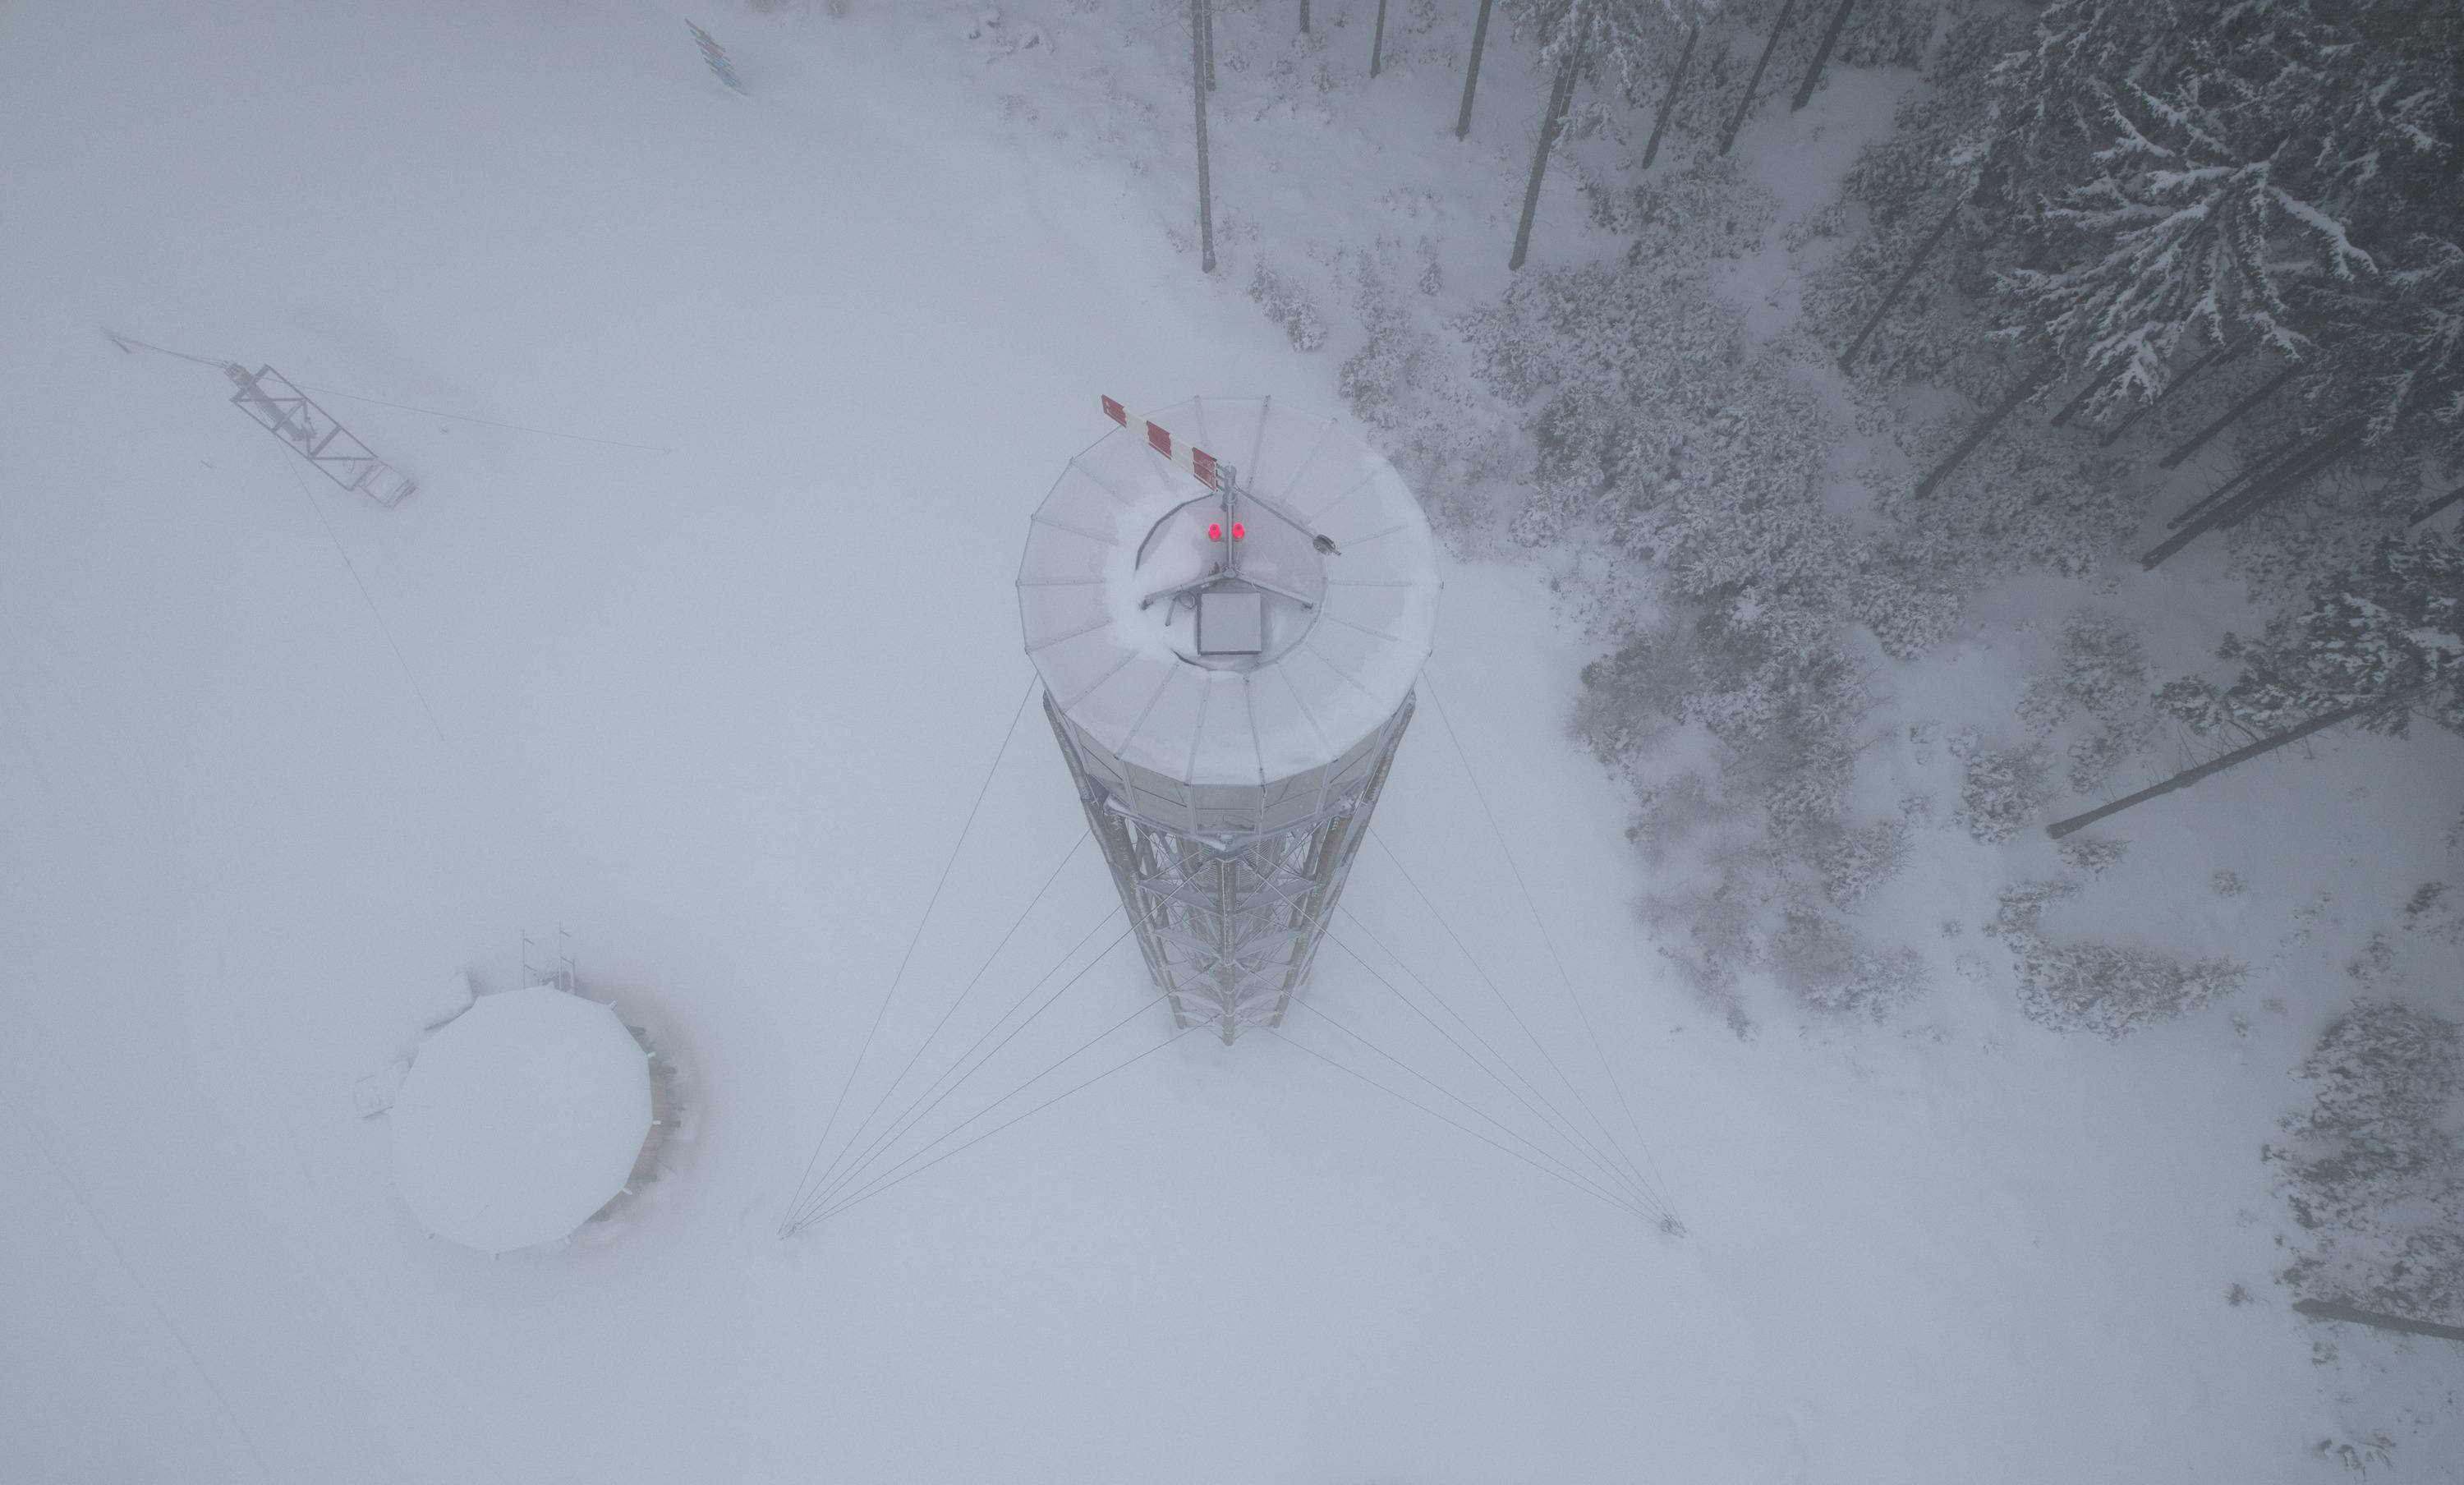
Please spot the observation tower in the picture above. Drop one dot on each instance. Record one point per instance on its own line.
(1228, 605)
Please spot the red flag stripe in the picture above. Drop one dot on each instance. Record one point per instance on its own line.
(1201, 464)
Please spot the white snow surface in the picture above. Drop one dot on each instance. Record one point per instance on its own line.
(1111, 665)
(520, 1119)
(273, 758)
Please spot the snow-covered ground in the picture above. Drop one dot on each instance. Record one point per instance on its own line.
(276, 760)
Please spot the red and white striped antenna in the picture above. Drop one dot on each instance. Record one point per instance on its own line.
(1200, 466)
(1199, 463)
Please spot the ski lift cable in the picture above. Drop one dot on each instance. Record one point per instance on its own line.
(927, 1100)
(1506, 1002)
(1441, 1118)
(886, 1094)
(830, 1124)
(1557, 1118)
(823, 1197)
(1547, 938)
(1597, 1186)
(1554, 1119)
(892, 1175)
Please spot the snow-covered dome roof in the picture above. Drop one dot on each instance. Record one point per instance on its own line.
(1217, 662)
(520, 1119)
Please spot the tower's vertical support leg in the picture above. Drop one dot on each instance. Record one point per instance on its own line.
(1333, 867)
(1230, 924)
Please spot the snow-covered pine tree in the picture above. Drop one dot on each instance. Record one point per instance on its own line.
(1595, 38)
(1629, 39)
(2188, 173)
(1668, 94)
(2376, 647)
(1918, 187)
(2388, 638)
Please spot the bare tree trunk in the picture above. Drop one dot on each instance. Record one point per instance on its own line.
(2190, 776)
(1669, 103)
(1210, 46)
(2260, 468)
(2199, 439)
(1560, 95)
(1378, 39)
(1304, 17)
(1984, 426)
(1822, 54)
(2286, 478)
(2071, 408)
(1199, 23)
(2221, 353)
(2451, 498)
(2330, 1310)
(1744, 104)
(1472, 75)
(1933, 239)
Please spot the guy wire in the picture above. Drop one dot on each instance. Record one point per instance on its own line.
(916, 1113)
(1602, 1187)
(1608, 1174)
(1441, 1118)
(969, 988)
(891, 1178)
(972, 810)
(1546, 936)
(824, 1195)
(1507, 1004)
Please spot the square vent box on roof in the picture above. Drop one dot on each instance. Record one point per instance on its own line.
(1231, 622)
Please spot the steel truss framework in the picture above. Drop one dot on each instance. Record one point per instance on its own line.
(1231, 903)
(268, 396)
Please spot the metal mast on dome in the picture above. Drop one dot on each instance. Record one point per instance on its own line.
(1228, 655)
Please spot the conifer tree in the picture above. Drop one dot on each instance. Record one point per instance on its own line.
(1595, 38)
(2376, 647)
(2190, 172)
(2389, 637)
(1472, 71)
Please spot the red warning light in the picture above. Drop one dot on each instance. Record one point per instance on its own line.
(1215, 533)
(1239, 531)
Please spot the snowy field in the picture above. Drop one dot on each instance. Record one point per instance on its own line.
(716, 694)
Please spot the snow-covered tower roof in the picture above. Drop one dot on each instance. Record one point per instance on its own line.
(1120, 574)
(1228, 605)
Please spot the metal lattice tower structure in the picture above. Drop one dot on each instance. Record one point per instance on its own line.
(1228, 654)
(268, 396)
